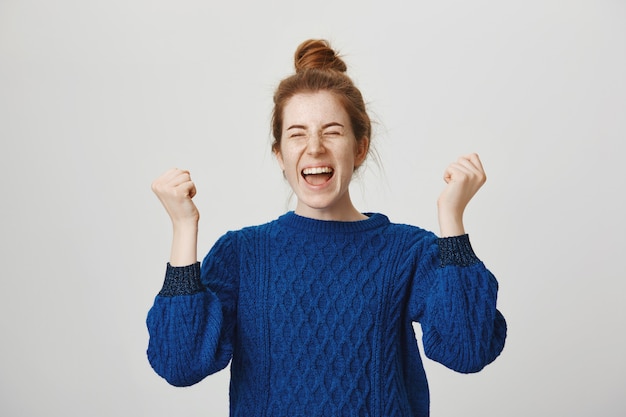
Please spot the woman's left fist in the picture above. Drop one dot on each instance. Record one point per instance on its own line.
(463, 178)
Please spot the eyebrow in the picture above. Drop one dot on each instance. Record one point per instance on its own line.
(327, 125)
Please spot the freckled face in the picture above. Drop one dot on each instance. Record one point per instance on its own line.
(318, 154)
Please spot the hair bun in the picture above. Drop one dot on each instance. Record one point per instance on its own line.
(317, 54)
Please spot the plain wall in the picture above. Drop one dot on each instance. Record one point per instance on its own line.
(97, 98)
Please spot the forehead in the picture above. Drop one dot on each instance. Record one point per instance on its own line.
(320, 107)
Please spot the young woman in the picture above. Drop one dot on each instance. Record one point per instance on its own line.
(315, 308)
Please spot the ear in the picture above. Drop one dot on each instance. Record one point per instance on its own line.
(279, 158)
(362, 147)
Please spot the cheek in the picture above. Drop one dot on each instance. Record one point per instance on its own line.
(287, 162)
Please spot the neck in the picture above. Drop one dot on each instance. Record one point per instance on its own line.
(346, 214)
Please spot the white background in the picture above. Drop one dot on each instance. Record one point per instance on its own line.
(97, 98)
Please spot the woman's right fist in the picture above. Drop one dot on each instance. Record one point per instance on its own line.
(175, 190)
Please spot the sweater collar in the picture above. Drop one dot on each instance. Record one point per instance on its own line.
(295, 221)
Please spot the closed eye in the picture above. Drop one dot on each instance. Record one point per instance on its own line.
(333, 129)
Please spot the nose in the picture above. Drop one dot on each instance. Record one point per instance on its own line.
(315, 145)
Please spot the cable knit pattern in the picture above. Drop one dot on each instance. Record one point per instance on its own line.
(317, 317)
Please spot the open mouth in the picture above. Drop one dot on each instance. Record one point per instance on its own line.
(317, 175)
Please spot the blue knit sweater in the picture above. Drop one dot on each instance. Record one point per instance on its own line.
(317, 317)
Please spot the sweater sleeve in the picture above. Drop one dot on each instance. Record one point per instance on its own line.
(191, 323)
(454, 298)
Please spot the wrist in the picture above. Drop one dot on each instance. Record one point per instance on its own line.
(185, 225)
(451, 224)
(184, 244)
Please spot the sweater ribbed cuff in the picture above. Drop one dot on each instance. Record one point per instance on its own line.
(181, 280)
(456, 251)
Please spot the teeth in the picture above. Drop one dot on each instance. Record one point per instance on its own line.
(317, 170)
